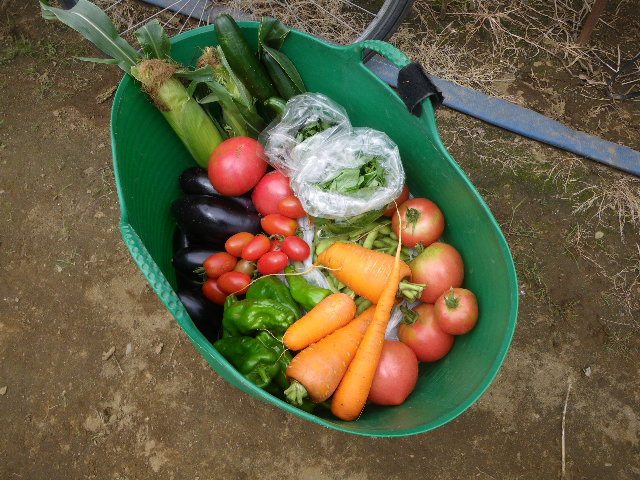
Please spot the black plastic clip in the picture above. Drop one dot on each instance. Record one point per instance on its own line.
(414, 86)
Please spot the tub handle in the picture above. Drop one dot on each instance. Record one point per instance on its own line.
(414, 84)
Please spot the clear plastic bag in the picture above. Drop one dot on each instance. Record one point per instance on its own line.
(303, 115)
(325, 164)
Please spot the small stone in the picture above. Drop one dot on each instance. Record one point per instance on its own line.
(587, 372)
(107, 355)
(58, 268)
(98, 214)
(127, 350)
(3, 390)
(599, 235)
(159, 348)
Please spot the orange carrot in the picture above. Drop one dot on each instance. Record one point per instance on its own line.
(351, 395)
(319, 368)
(333, 312)
(364, 271)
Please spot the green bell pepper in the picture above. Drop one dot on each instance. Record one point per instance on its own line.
(248, 316)
(257, 362)
(274, 289)
(303, 292)
(275, 344)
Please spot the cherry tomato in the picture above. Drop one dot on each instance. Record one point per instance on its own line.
(237, 165)
(276, 224)
(211, 290)
(276, 243)
(425, 337)
(404, 196)
(272, 262)
(219, 263)
(296, 249)
(291, 207)
(236, 283)
(422, 222)
(456, 311)
(245, 266)
(237, 242)
(257, 247)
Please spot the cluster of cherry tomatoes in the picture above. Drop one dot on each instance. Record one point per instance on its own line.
(237, 167)
(231, 271)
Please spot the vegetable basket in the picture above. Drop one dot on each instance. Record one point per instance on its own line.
(149, 157)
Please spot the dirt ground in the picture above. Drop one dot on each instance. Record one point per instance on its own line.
(70, 293)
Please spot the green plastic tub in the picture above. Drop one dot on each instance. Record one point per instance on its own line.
(148, 158)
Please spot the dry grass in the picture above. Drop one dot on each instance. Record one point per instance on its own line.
(337, 21)
(485, 41)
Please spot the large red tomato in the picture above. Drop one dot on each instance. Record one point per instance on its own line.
(422, 222)
(396, 375)
(272, 188)
(440, 267)
(456, 311)
(425, 337)
(236, 166)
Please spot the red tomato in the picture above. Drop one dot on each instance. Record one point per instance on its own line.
(422, 222)
(272, 188)
(456, 311)
(272, 262)
(236, 283)
(219, 263)
(404, 196)
(296, 249)
(236, 166)
(211, 290)
(235, 243)
(276, 224)
(276, 243)
(440, 266)
(245, 266)
(425, 337)
(396, 375)
(291, 207)
(257, 247)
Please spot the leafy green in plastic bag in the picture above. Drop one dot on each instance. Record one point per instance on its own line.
(359, 179)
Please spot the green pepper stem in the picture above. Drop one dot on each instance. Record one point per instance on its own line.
(296, 393)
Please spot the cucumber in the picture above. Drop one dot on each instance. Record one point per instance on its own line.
(242, 60)
(275, 105)
(283, 83)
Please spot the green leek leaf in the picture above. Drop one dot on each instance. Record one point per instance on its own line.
(95, 25)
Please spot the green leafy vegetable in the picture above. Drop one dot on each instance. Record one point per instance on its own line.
(313, 128)
(360, 179)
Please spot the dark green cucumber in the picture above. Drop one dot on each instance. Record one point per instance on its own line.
(242, 60)
(285, 86)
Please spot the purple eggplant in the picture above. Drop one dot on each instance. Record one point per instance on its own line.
(188, 260)
(195, 181)
(213, 220)
(206, 315)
